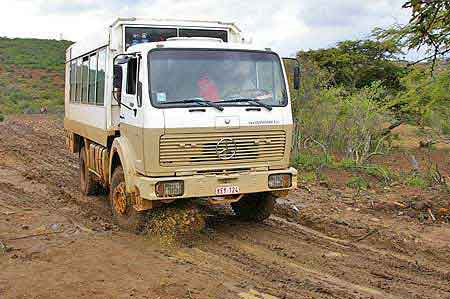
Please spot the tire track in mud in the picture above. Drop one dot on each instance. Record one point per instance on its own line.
(343, 273)
(34, 148)
(375, 262)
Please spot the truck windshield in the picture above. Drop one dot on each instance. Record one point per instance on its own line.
(233, 78)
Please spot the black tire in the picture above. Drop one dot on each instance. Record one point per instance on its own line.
(254, 207)
(88, 184)
(123, 212)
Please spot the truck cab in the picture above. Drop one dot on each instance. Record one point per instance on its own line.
(193, 117)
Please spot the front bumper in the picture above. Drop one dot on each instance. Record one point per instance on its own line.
(205, 185)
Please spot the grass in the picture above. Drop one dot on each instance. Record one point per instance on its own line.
(416, 181)
(31, 75)
(309, 162)
(380, 172)
(311, 168)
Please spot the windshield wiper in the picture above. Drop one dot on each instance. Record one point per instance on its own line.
(255, 102)
(200, 101)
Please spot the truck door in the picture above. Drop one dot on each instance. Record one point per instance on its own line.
(131, 114)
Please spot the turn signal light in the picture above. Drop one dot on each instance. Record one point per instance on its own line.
(169, 189)
(283, 180)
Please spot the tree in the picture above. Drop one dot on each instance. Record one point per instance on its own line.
(425, 100)
(357, 64)
(428, 28)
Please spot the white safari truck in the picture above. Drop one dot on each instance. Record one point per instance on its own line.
(164, 110)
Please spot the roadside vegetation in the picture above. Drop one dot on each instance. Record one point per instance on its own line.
(359, 99)
(31, 75)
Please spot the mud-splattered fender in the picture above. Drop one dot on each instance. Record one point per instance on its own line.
(123, 148)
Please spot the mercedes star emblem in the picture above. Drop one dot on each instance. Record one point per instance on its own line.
(226, 149)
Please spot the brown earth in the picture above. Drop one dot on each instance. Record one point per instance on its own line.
(324, 240)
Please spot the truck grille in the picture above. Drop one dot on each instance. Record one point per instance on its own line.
(221, 148)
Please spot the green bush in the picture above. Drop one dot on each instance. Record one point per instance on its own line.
(2, 117)
(358, 183)
(424, 100)
(335, 120)
(311, 161)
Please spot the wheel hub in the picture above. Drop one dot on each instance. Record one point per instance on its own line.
(120, 199)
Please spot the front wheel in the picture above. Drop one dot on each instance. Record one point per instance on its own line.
(123, 212)
(254, 207)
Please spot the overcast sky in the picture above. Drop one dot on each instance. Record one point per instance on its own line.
(283, 25)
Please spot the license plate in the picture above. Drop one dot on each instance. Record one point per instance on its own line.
(227, 190)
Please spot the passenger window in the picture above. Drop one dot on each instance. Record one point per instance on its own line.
(101, 67)
(132, 76)
(138, 35)
(221, 34)
(92, 78)
(84, 80)
(78, 81)
(73, 72)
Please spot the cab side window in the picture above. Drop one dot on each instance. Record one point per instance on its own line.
(132, 76)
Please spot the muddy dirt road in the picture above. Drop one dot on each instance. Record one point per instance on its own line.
(322, 242)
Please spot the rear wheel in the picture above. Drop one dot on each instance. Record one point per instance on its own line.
(88, 184)
(123, 212)
(254, 207)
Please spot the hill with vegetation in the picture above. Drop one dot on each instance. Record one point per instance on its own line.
(31, 75)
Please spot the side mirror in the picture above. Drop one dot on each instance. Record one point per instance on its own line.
(117, 78)
(297, 78)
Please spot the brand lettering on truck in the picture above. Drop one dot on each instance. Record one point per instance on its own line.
(264, 122)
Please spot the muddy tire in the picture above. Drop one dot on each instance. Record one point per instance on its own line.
(88, 184)
(123, 212)
(254, 207)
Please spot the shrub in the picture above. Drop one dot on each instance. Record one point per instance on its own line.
(351, 123)
(307, 160)
(2, 117)
(424, 100)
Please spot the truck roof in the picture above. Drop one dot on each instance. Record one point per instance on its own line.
(112, 35)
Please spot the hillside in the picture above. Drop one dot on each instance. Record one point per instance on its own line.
(31, 75)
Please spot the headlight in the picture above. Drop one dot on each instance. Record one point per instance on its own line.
(169, 188)
(282, 180)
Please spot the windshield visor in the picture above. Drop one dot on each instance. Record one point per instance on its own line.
(215, 75)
